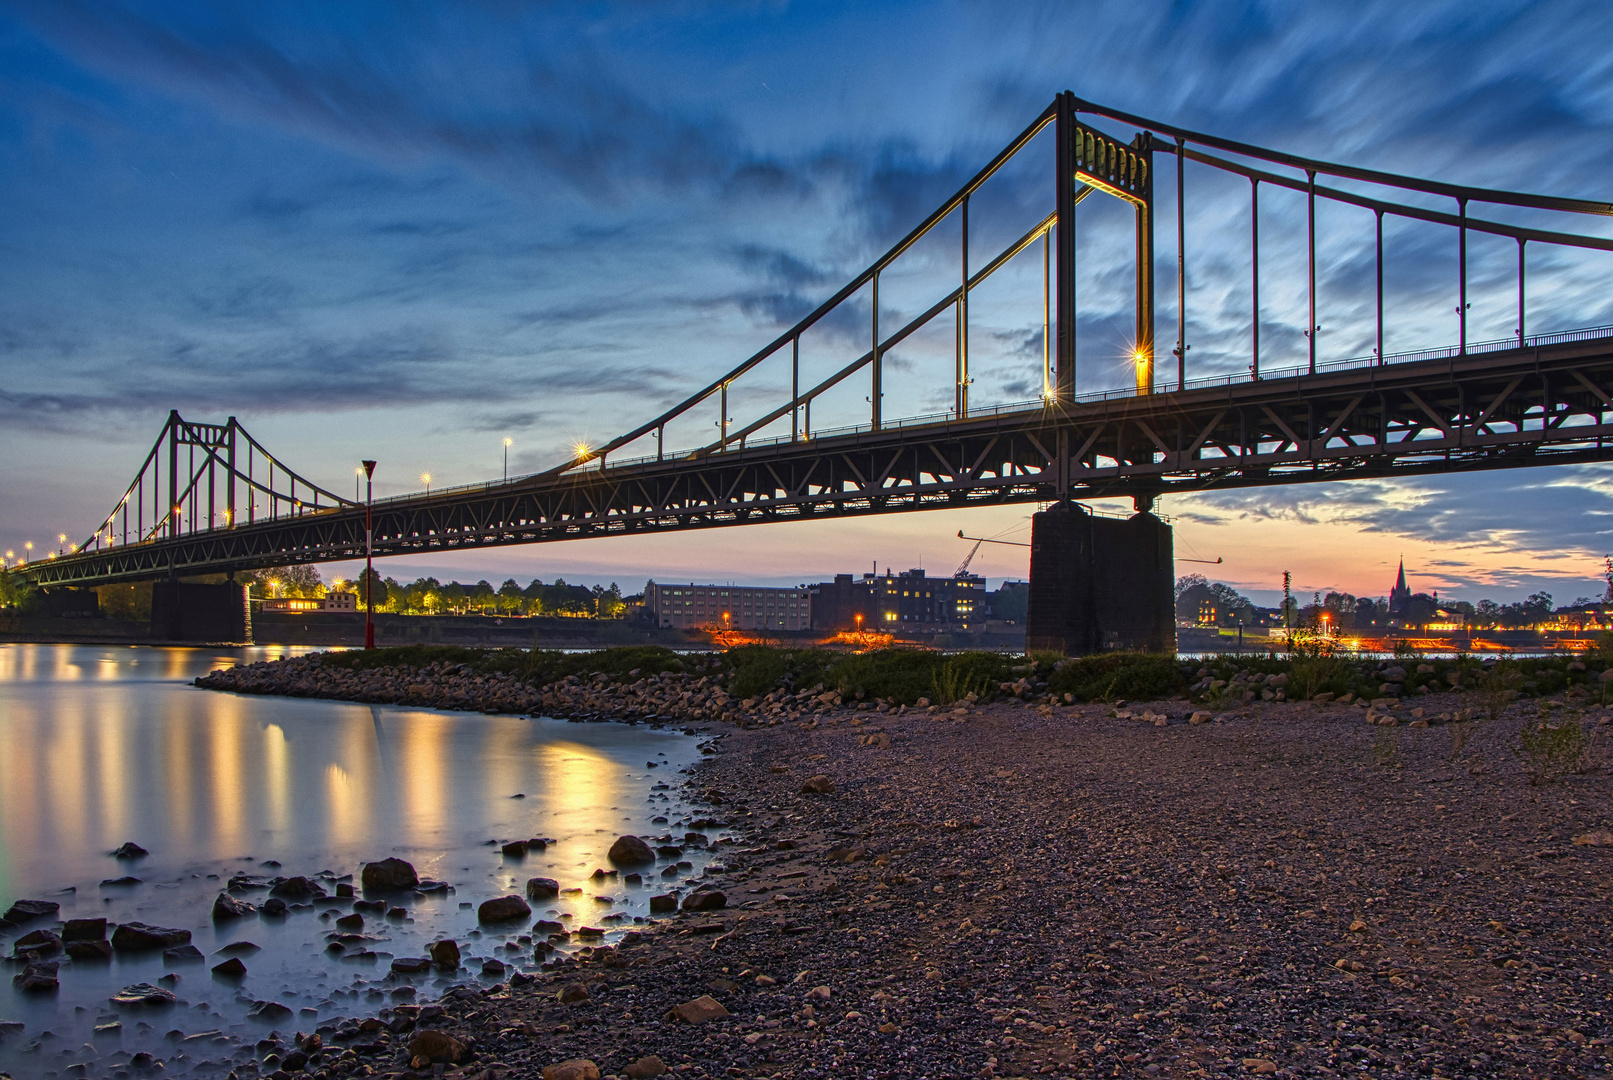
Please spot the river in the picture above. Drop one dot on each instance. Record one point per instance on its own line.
(107, 744)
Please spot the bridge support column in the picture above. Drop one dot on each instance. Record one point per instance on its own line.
(1100, 584)
(184, 611)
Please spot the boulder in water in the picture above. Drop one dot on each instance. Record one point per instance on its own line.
(24, 910)
(227, 907)
(138, 936)
(142, 994)
(297, 888)
(630, 851)
(542, 888)
(388, 875)
(37, 979)
(502, 909)
(129, 850)
(84, 930)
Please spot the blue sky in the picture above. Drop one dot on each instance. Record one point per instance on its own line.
(409, 230)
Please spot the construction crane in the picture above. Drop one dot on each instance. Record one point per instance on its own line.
(963, 567)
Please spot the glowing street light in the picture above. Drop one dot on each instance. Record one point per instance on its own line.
(507, 443)
(368, 469)
(425, 478)
(580, 449)
(28, 550)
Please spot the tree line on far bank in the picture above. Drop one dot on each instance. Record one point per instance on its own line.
(428, 596)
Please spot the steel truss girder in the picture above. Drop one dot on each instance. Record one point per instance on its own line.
(1550, 405)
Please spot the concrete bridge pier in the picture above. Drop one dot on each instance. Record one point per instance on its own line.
(211, 613)
(1101, 584)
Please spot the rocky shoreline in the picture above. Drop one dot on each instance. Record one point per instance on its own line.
(1029, 889)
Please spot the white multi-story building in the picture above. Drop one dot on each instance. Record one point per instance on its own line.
(728, 607)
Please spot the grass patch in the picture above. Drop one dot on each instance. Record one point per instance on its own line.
(1111, 676)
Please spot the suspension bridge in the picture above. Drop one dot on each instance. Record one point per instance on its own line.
(210, 499)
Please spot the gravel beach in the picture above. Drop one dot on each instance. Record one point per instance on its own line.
(1024, 890)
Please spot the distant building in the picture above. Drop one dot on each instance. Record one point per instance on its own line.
(734, 607)
(908, 601)
(1400, 595)
(336, 601)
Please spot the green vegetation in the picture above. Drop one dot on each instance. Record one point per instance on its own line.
(1112, 676)
(901, 676)
(1554, 746)
(539, 666)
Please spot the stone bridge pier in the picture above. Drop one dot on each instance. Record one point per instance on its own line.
(203, 613)
(1101, 584)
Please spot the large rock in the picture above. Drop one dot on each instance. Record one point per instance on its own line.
(436, 1046)
(645, 1068)
(502, 909)
(575, 1069)
(663, 903)
(698, 1011)
(297, 888)
(706, 900)
(24, 910)
(227, 907)
(84, 930)
(129, 850)
(445, 954)
(542, 888)
(230, 969)
(100, 949)
(388, 875)
(140, 994)
(818, 785)
(36, 943)
(37, 979)
(630, 851)
(139, 936)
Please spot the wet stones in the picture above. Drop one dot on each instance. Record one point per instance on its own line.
(274, 908)
(705, 900)
(388, 875)
(297, 888)
(445, 953)
(515, 849)
(227, 907)
(502, 909)
(630, 851)
(84, 930)
(183, 954)
(36, 943)
(143, 995)
(818, 785)
(663, 904)
(26, 910)
(140, 937)
(542, 888)
(99, 949)
(128, 850)
(230, 969)
(411, 965)
(37, 978)
(268, 1012)
(352, 924)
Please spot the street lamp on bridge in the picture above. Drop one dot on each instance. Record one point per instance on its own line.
(369, 555)
(507, 442)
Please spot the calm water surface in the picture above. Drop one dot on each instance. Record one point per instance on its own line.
(107, 744)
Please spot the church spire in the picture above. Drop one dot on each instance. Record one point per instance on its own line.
(1401, 593)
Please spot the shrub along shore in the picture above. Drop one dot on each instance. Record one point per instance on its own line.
(764, 684)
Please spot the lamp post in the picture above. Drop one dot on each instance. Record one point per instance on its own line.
(507, 443)
(369, 556)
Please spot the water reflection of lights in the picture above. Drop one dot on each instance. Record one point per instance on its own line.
(277, 777)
